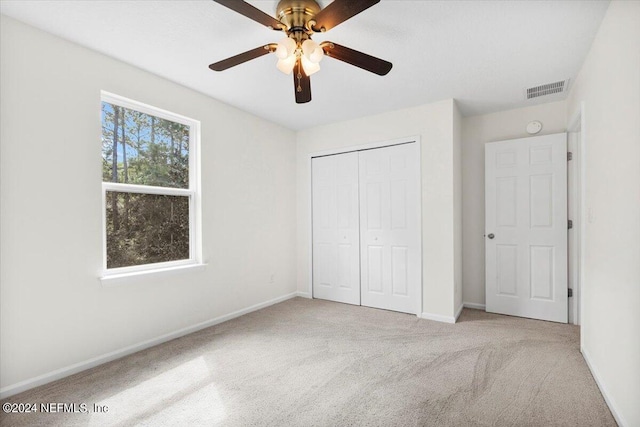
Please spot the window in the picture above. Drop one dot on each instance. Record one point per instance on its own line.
(149, 187)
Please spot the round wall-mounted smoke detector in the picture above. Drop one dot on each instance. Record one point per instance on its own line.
(534, 127)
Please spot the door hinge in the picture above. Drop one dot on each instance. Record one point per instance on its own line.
(569, 156)
(570, 224)
(570, 292)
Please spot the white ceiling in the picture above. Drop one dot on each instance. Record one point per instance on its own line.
(482, 53)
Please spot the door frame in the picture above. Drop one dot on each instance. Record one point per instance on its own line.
(577, 123)
(350, 149)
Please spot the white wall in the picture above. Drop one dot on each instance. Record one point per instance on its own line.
(609, 87)
(457, 208)
(54, 311)
(434, 123)
(476, 131)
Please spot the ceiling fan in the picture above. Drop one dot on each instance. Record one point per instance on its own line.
(297, 53)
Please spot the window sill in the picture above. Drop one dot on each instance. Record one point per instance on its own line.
(127, 278)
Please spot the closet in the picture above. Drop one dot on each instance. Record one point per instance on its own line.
(366, 227)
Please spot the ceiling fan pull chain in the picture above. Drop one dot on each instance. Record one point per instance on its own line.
(299, 76)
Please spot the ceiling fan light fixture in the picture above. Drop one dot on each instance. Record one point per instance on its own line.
(309, 66)
(286, 65)
(286, 48)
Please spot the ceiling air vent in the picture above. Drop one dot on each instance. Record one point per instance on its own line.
(548, 89)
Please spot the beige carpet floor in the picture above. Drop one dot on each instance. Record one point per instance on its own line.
(317, 363)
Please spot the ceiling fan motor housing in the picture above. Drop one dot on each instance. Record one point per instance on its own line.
(296, 14)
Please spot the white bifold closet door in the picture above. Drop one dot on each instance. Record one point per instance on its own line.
(366, 228)
(336, 252)
(390, 228)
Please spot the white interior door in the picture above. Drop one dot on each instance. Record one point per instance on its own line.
(526, 227)
(336, 252)
(390, 243)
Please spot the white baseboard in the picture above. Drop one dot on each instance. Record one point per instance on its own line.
(438, 317)
(304, 295)
(25, 385)
(458, 312)
(474, 305)
(607, 398)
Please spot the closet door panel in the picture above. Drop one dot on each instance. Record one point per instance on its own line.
(335, 218)
(390, 228)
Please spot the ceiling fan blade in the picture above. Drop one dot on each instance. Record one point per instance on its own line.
(338, 12)
(243, 57)
(359, 59)
(301, 84)
(244, 8)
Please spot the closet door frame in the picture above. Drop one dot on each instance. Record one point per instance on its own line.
(349, 149)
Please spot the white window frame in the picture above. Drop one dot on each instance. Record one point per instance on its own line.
(193, 193)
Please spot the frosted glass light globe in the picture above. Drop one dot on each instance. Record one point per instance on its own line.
(286, 65)
(312, 51)
(286, 47)
(309, 67)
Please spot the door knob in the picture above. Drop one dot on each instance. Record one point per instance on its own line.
(491, 236)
